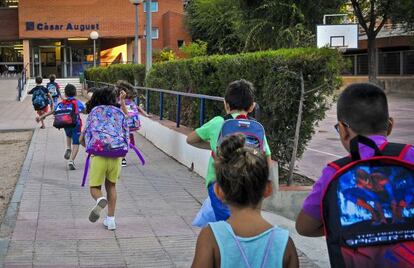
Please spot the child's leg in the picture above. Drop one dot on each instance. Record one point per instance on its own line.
(96, 192)
(68, 151)
(76, 132)
(111, 195)
(96, 179)
(75, 150)
(131, 138)
(114, 170)
(40, 113)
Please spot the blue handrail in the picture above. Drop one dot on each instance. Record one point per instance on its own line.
(179, 96)
(21, 83)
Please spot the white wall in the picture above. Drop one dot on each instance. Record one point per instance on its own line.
(174, 144)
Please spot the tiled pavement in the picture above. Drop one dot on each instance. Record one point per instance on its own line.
(156, 204)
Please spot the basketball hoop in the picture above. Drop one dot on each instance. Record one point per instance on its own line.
(337, 36)
(341, 49)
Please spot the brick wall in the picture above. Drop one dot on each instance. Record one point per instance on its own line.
(9, 26)
(116, 18)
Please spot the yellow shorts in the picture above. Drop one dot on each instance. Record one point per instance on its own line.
(102, 168)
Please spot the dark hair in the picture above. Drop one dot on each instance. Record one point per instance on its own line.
(127, 87)
(364, 108)
(38, 79)
(239, 95)
(102, 96)
(70, 90)
(241, 172)
(52, 78)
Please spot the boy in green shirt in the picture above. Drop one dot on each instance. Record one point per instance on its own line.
(238, 100)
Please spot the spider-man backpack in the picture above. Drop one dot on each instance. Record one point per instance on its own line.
(368, 208)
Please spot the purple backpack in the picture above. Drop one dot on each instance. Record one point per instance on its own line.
(107, 135)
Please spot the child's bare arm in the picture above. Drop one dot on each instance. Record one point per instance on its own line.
(290, 259)
(194, 140)
(45, 115)
(308, 226)
(142, 111)
(82, 139)
(204, 253)
(123, 105)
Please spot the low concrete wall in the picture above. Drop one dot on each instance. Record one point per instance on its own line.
(391, 84)
(174, 144)
(285, 203)
(172, 141)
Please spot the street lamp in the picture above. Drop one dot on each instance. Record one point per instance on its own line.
(94, 35)
(136, 3)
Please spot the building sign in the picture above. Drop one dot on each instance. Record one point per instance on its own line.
(44, 26)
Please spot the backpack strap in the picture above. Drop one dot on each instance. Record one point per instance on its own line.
(396, 149)
(340, 163)
(227, 117)
(387, 149)
(138, 153)
(85, 171)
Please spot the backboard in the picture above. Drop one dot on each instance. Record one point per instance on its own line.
(337, 35)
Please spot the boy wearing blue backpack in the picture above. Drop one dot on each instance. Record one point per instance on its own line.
(362, 203)
(54, 89)
(67, 116)
(238, 103)
(40, 99)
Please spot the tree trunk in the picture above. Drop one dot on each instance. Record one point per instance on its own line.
(372, 59)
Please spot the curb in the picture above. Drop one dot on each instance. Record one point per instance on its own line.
(9, 221)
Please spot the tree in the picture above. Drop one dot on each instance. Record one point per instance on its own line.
(216, 22)
(373, 15)
(270, 24)
(195, 49)
(234, 26)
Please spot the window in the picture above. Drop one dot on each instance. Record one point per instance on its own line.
(155, 32)
(154, 6)
(180, 43)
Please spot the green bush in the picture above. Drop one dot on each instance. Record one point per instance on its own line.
(272, 73)
(128, 72)
(277, 89)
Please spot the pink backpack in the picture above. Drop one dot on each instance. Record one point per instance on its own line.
(107, 135)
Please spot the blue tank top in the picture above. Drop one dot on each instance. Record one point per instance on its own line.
(264, 250)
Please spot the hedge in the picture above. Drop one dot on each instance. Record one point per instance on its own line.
(128, 72)
(275, 75)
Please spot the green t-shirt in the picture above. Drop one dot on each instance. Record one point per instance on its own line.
(210, 132)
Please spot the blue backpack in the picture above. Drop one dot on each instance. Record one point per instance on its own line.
(368, 208)
(250, 128)
(39, 99)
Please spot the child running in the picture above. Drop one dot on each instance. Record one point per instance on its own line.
(41, 99)
(106, 126)
(238, 101)
(73, 133)
(246, 239)
(54, 89)
(131, 109)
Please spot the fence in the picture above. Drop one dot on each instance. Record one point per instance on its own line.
(389, 63)
(178, 95)
(21, 83)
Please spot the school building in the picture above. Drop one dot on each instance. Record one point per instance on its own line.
(54, 36)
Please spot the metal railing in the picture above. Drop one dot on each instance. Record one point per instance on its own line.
(179, 95)
(389, 63)
(21, 83)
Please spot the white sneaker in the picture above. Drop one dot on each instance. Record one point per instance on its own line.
(109, 222)
(71, 165)
(96, 210)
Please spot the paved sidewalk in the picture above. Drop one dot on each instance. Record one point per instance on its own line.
(47, 221)
(14, 114)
